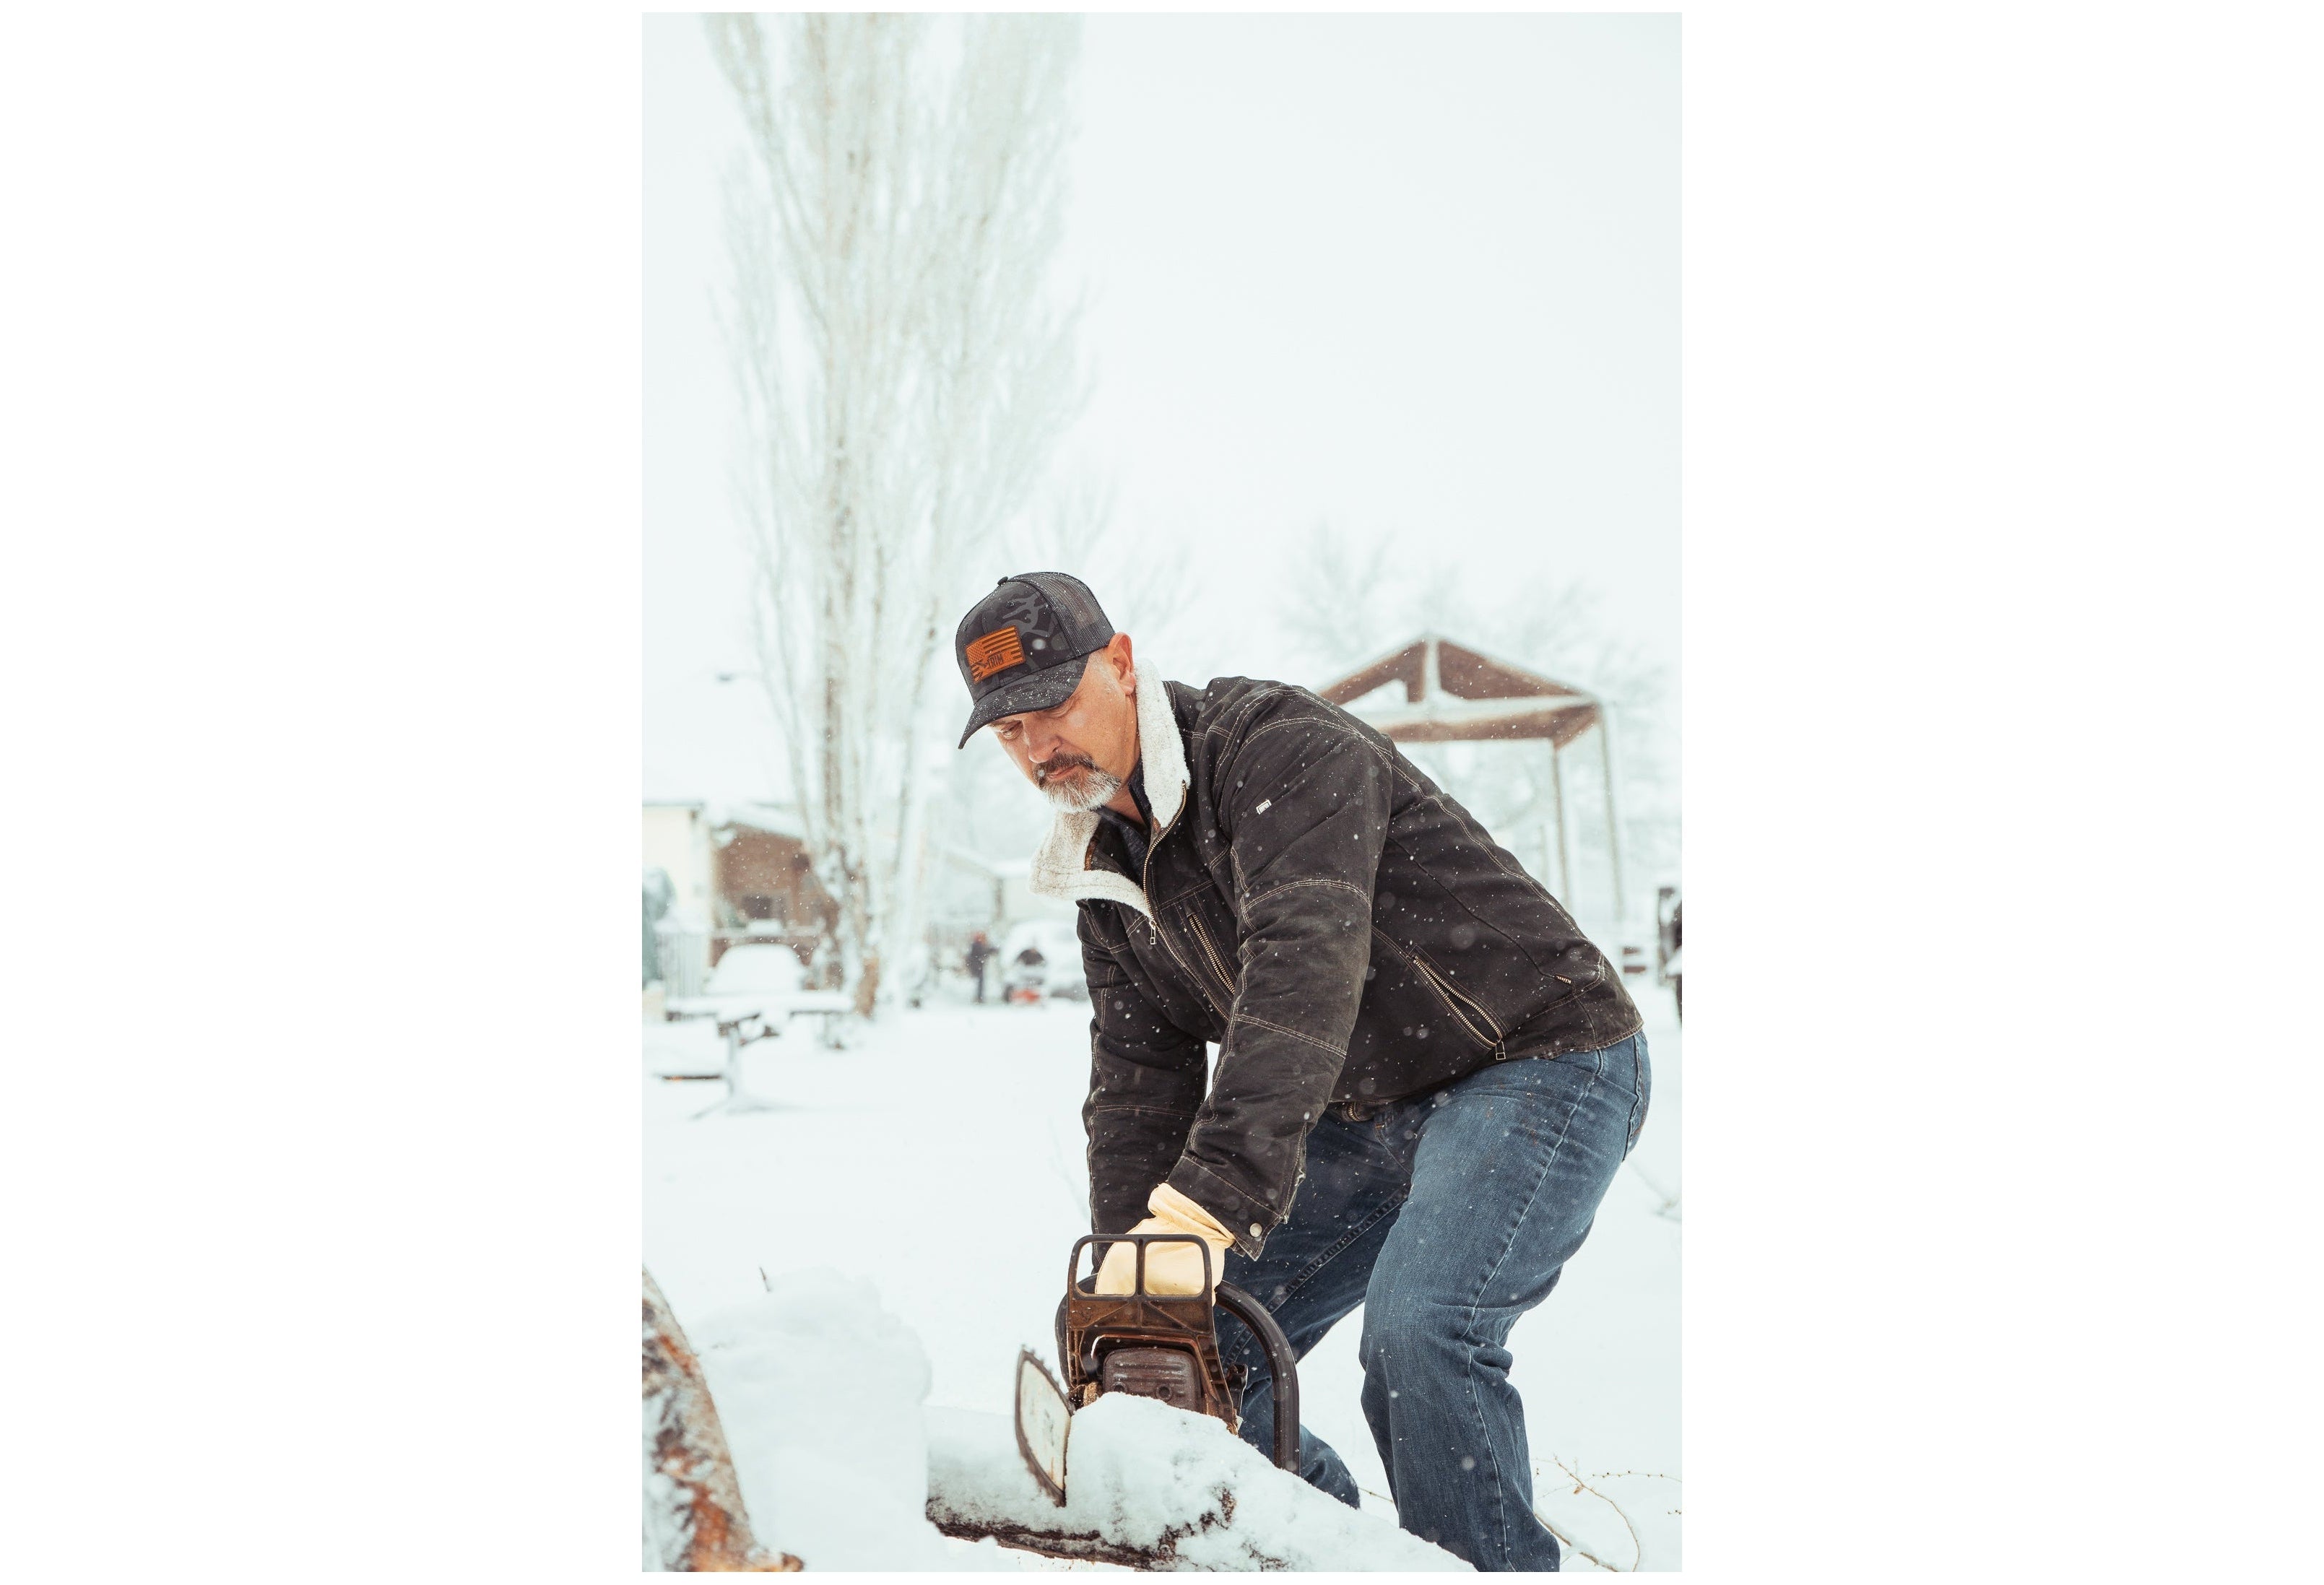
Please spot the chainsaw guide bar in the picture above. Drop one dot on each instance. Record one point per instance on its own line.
(1043, 1421)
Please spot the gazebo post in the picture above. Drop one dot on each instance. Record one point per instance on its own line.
(1564, 851)
(1494, 699)
(1613, 810)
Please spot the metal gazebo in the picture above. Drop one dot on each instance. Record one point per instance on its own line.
(1454, 693)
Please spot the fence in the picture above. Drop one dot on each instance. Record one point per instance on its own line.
(684, 955)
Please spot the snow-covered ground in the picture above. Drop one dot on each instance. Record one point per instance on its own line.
(912, 1199)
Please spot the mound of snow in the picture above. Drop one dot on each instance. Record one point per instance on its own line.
(1146, 1480)
(819, 1391)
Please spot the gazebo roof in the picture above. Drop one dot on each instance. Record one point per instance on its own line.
(1455, 693)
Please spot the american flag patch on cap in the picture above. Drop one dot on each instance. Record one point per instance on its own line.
(997, 651)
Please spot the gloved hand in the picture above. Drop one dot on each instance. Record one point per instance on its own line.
(1170, 1268)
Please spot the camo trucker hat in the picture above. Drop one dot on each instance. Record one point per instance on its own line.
(1023, 647)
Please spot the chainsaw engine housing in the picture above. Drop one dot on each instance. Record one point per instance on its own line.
(1162, 1346)
(1150, 1345)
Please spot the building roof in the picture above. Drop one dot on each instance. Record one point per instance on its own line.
(773, 819)
(746, 814)
(1455, 692)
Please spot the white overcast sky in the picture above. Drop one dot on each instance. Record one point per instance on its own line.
(1415, 274)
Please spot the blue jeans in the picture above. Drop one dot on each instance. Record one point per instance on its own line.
(1446, 1217)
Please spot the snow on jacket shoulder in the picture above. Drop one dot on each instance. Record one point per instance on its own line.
(1313, 904)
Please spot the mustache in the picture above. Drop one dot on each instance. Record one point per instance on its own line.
(1065, 761)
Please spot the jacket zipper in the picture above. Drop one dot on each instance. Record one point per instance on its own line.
(1186, 800)
(1217, 965)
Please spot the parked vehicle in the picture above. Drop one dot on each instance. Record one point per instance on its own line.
(1041, 959)
(1666, 944)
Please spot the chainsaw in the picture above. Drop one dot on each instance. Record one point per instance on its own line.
(1161, 1346)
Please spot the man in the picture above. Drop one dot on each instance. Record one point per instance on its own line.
(981, 951)
(1426, 1076)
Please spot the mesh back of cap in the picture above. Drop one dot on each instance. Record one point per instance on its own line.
(1075, 603)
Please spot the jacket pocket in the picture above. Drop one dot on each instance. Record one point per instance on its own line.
(1472, 1011)
(1464, 1009)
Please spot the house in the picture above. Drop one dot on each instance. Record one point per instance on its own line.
(734, 873)
(763, 881)
(741, 871)
(676, 841)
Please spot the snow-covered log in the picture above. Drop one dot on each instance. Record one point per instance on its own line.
(695, 1520)
(1151, 1487)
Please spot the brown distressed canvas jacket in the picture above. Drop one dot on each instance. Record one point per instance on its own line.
(1311, 902)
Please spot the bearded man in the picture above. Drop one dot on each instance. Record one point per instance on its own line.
(1426, 1075)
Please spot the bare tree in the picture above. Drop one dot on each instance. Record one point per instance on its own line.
(905, 371)
(1145, 595)
(1338, 602)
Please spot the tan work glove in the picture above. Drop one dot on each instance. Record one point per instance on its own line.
(1170, 1268)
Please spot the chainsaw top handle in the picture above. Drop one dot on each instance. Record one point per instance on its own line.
(1073, 1260)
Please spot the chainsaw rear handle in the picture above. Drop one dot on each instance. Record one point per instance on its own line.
(1281, 1362)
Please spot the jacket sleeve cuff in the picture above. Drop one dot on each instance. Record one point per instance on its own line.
(1246, 1221)
(1170, 1205)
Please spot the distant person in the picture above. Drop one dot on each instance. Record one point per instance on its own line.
(981, 951)
(1426, 1075)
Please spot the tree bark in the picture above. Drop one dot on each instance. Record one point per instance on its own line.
(695, 1520)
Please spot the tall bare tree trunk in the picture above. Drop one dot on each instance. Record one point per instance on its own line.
(905, 376)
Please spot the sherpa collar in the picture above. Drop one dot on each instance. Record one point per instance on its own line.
(1061, 863)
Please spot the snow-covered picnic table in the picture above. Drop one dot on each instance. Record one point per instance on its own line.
(772, 1005)
(753, 994)
(758, 981)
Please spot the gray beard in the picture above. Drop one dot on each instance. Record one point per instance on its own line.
(1094, 789)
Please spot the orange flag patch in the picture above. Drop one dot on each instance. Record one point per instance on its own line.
(997, 651)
